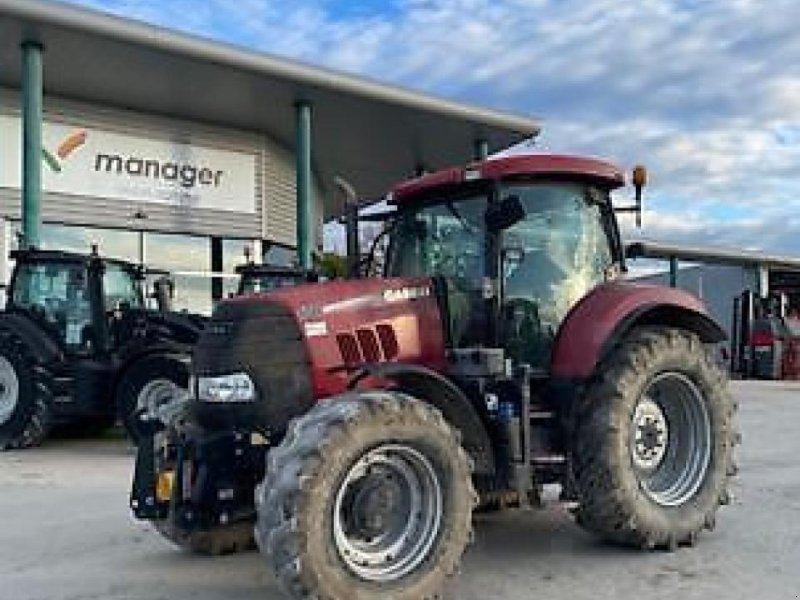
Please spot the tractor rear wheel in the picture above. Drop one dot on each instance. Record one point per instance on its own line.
(149, 383)
(653, 442)
(25, 395)
(369, 495)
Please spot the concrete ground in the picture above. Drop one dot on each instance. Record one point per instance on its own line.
(66, 534)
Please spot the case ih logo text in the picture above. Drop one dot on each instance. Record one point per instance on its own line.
(186, 175)
(406, 293)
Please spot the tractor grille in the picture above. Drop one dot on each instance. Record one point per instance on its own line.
(388, 341)
(368, 345)
(262, 339)
(348, 347)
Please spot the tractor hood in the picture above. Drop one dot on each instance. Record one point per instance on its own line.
(303, 343)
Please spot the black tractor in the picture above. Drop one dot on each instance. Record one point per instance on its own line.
(260, 278)
(80, 347)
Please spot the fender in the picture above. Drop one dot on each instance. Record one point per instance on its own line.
(41, 345)
(610, 311)
(437, 390)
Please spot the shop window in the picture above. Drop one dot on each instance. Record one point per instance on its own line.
(188, 259)
(111, 243)
(280, 255)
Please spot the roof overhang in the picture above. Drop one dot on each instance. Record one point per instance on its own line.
(710, 255)
(369, 133)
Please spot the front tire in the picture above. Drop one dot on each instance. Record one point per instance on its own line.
(653, 442)
(25, 395)
(148, 384)
(369, 495)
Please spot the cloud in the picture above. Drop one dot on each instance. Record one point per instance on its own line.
(705, 92)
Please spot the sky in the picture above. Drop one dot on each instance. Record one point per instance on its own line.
(706, 93)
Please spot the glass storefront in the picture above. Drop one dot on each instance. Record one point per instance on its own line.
(116, 243)
(186, 257)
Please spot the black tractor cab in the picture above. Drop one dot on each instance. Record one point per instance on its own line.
(259, 278)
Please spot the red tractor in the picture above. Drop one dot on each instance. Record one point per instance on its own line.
(357, 424)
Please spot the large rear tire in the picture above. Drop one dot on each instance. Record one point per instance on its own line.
(369, 495)
(653, 442)
(25, 395)
(149, 383)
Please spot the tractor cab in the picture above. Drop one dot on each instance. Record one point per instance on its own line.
(73, 296)
(513, 248)
(257, 279)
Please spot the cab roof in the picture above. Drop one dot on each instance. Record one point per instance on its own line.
(39, 255)
(514, 167)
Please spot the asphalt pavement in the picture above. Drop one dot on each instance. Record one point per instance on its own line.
(66, 534)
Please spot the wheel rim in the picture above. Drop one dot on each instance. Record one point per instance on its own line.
(155, 394)
(387, 513)
(670, 442)
(9, 390)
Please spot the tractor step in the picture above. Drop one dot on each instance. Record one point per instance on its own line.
(541, 414)
(549, 459)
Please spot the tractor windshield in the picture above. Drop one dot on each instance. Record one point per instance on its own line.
(121, 287)
(56, 292)
(551, 259)
(447, 239)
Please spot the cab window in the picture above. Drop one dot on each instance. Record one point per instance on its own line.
(551, 259)
(55, 292)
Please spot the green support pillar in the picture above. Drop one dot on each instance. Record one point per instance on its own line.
(305, 225)
(673, 271)
(31, 142)
(481, 149)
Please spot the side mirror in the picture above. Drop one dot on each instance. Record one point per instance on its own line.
(163, 292)
(507, 213)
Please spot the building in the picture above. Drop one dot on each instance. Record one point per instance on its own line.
(717, 286)
(743, 291)
(179, 151)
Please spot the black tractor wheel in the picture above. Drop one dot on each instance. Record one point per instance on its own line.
(368, 496)
(146, 385)
(653, 442)
(25, 395)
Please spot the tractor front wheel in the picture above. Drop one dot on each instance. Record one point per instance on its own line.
(25, 395)
(369, 495)
(653, 442)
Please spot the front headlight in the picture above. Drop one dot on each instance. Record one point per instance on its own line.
(236, 387)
